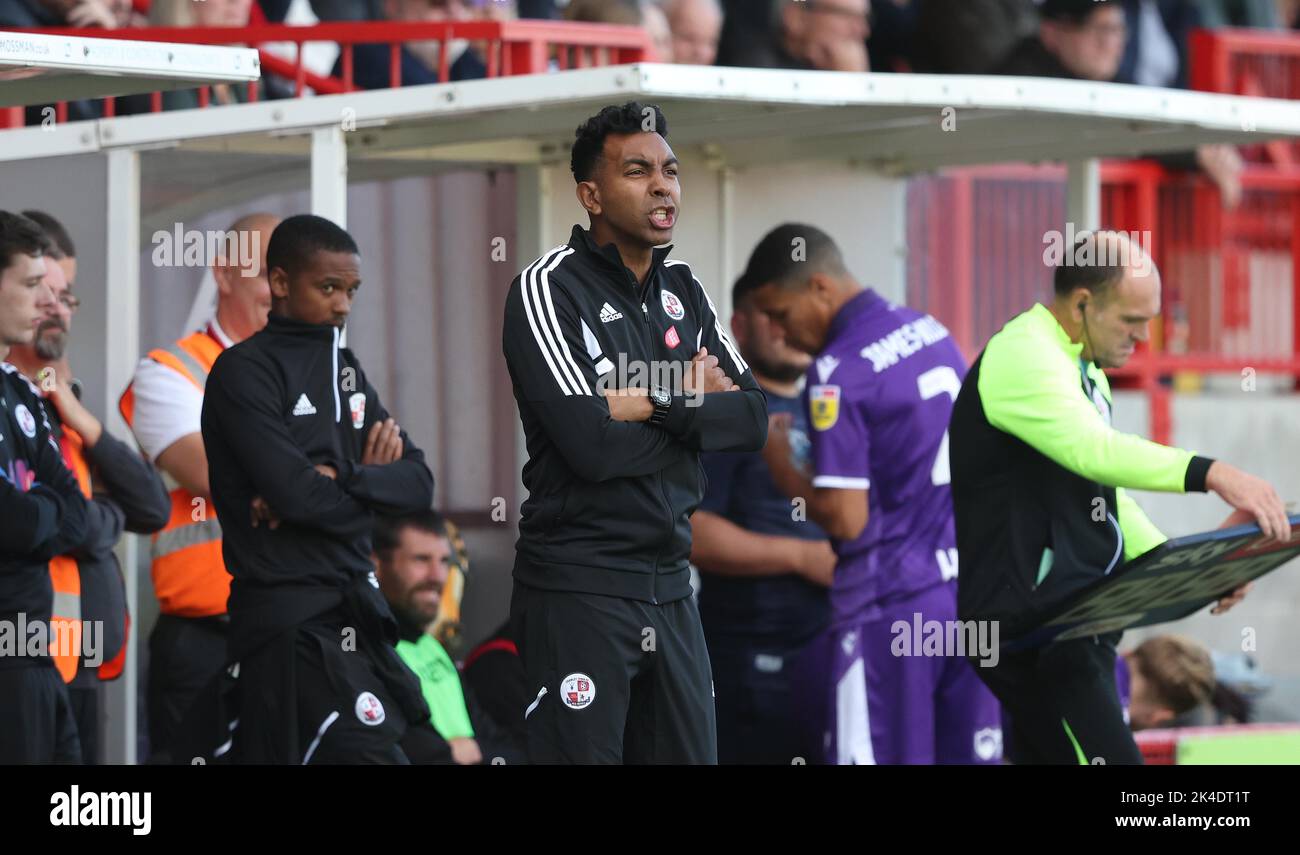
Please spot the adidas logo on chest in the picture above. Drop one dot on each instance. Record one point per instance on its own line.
(609, 313)
(303, 407)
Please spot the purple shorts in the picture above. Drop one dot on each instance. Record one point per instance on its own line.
(896, 697)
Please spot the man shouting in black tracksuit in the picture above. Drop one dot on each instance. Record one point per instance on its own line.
(301, 454)
(622, 374)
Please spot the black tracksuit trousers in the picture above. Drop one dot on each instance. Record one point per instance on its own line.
(1061, 704)
(614, 680)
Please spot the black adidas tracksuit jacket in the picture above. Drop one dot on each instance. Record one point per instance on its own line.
(276, 405)
(609, 503)
(611, 642)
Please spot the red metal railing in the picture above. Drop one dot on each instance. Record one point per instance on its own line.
(506, 47)
(1231, 278)
(1250, 62)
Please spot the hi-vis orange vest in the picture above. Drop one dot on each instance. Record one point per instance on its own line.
(189, 574)
(66, 578)
(65, 622)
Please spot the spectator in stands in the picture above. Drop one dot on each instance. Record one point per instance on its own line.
(695, 25)
(631, 13)
(1165, 677)
(892, 43)
(543, 9)
(327, 10)
(1156, 51)
(419, 60)
(1085, 40)
(1082, 39)
(744, 23)
(413, 556)
(16, 14)
(829, 35)
(969, 36)
(107, 14)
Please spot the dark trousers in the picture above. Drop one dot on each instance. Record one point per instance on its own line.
(614, 680)
(1061, 704)
(326, 693)
(185, 654)
(769, 699)
(36, 722)
(85, 710)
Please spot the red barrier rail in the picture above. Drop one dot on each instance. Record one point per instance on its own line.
(506, 47)
(1231, 278)
(1250, 62)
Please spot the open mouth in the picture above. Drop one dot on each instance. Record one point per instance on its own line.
(663, 217)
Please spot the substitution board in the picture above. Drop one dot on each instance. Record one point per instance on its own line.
(1173, 580)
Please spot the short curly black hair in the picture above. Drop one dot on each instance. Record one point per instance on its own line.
(787, 257)
(299, 237)
(630, 118)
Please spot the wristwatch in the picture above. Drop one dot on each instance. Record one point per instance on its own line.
(662, 402)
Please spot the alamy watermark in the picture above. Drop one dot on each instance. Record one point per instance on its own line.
(39, 639)
(679, 378)
(95, 809)
(1067, 249)
(964, 638)
(183, 247)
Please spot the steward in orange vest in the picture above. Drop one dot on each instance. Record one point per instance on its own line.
(188, 644)
(189, 575)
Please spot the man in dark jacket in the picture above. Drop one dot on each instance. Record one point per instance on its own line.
(42, 515)
(1156, 53)
(611, 638)
(969, 36)
(1039, 480)
(1080, 39)
(125, 494)
(301, 454)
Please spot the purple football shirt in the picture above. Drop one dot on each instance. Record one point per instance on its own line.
(880, 397)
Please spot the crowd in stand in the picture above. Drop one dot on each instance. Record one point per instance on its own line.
(942, 36)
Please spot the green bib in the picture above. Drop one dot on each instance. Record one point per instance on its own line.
(440, 683)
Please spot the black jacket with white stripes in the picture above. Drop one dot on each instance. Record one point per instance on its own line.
(609, 503)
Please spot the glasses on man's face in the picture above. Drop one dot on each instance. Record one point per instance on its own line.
(69, 302)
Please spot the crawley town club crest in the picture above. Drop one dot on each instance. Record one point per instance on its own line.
(824, 406)
(577, 691)
(369, 710)
(357, 405)
(672, 306)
